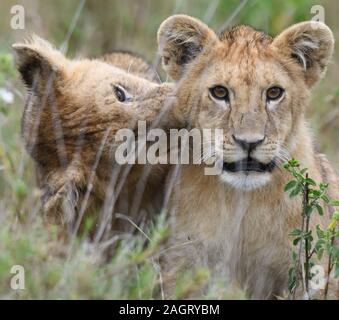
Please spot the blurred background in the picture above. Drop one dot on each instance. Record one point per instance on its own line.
(94, 27)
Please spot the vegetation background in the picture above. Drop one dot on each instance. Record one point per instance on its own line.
(91, 28)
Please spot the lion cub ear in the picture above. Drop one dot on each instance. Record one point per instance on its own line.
(180, 40)
(38, 63)
(310, 44)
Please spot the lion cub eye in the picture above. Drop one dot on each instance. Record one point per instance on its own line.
(274, 93)
(220, 93)
(120, 93)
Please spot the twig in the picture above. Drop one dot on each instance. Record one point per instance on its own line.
(307, 242)
(329, 267)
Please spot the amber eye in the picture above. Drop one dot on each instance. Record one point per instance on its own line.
(220, 93)
(120, 94)
(274, 93)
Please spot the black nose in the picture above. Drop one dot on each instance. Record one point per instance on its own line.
(247, 145)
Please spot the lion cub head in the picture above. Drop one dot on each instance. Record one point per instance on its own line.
(72, 112)
(249, 84)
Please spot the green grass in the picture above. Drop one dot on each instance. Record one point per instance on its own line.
(54, 268)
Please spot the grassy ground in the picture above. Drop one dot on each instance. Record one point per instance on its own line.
(58, 270)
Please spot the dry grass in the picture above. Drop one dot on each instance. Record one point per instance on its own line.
(52, 269)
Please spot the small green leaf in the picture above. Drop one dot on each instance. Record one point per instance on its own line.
(316, 193)
(320, 253)
(325, 198)
(299, 176)
(296, 241)
(290, 185)
(332, 225)
(295, 191)
(335, 215)
(323, 186)
(310, 182)
(334, 203)
(320, 232)
(296, 232)
(320, 209)
(319, 248)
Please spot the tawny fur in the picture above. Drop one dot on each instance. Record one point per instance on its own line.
(133, 64)
(70, 119)
(241, 226)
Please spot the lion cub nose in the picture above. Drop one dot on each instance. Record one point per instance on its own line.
(248, 145)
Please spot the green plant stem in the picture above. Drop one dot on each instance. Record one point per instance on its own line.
(297, 267)
(329, 267)
(307, 218)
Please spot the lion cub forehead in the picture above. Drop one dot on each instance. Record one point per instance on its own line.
(96, 68)
(250, 69)
(245, 56)
(243, 44)
(100, 73)
(245, 34)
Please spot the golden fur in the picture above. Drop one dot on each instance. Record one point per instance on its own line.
(131, 63)
(236, 224)
(239, 223)
(70, 118)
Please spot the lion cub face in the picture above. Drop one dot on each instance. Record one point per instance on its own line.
(73, 110)
(248, 84)
(73, 103)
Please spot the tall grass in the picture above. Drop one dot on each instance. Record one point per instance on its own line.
(53, 269)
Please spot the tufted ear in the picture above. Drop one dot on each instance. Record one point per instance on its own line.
(180, 40)
(37, 61)
(310, 44)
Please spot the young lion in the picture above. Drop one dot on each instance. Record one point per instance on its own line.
(73, 110)
(256, 88)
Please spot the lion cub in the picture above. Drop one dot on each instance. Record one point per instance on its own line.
(73, 110)
(256, 89)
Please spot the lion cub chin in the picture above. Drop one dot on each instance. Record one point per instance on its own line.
(246, 182)
(255, 88)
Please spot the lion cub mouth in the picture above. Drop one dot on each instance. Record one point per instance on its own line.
(248, 165)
